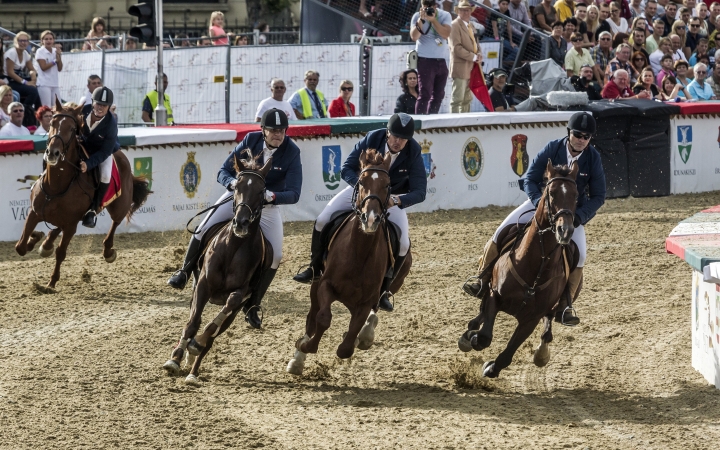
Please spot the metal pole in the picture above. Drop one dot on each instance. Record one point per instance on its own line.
(160, 111)
(227, 81)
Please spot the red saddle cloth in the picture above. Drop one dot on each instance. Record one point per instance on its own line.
(115, 188)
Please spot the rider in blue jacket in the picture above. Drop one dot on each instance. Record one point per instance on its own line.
(575, 148)
(408, 187)
(283, 184)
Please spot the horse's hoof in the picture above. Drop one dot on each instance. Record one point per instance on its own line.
(46, 252)
(464, 344)
(192, 380)
(542, 355)
(488, 369)
(194, 348)
(172, 368)
(295, 367)
(111, 258)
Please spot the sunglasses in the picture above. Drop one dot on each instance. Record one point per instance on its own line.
(346, 89)
(14, 111)
(608, 39)
(23, 40)
(694, 25)
(577, 40)
(580, 135)
(639, 59)
(279, 88)
(701, 72)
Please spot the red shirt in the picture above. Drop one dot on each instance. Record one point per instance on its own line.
(612, 91)
(339, 109)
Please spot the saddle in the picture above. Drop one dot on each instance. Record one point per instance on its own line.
(337, 220)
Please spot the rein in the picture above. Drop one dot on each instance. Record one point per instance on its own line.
(356, 192)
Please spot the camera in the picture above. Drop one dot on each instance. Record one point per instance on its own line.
(430, 11)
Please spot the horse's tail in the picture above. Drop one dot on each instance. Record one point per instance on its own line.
(141, 190)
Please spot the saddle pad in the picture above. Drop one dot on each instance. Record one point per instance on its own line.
(115, 189)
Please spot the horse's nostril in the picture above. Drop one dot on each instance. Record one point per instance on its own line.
(363, 217)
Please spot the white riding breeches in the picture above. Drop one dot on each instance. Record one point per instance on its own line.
(578, 236)
(343, 202)
(48, 94)
(106, 170)
(270, 223)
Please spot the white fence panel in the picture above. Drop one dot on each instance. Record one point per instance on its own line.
(252, 68)
(77, 67)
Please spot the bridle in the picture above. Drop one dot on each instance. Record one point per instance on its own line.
(254, 213)
(356, 192)
(552, 218)
(65, 144)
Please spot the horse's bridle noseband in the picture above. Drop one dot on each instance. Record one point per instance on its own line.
(552, 218)
(254, 213)
(356, 191)
(65, 145)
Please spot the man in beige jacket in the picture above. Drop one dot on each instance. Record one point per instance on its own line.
(464, 51)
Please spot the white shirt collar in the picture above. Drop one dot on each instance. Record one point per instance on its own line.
(570, 157)
(267, 152)
(393, 156)
(91, 125)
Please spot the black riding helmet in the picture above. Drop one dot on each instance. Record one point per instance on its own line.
(401, 125)
(582, 121)
(103, 96)
(274, 119)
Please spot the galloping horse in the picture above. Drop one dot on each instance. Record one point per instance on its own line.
(235, 257)
(63, 193)
(356, 264)
(528, 281)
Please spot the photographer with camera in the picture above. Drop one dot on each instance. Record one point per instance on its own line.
(430, 29)
(500, 91)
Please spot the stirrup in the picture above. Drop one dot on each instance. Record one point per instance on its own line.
(178, 273)
(389, 296)
(562, 317)
(312, 268)
(259, 308)
(89, 219)
(467, 284)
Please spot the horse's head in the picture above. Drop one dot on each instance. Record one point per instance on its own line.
(559, 200)
(63, 132)
(372, 190)
(249, 195)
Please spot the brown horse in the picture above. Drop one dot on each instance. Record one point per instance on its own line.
(528, 281)
(355, 267)
(235, 257)
(63, 193)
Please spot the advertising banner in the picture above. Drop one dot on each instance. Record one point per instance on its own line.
(706, 328)
(695, 150)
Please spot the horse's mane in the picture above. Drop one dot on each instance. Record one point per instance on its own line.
(251, 162)
(373, 157)
(562, 170)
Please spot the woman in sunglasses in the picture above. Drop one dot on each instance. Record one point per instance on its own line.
(680, 29)
(341, 106)
(638, 61)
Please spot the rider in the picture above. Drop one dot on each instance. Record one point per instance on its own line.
(575, 148)
(282, 184)
(408, 186)
(99, 137)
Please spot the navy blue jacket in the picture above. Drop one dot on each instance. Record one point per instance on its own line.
(87, 109)
(284, 179)
(407, 175)
(591, 177)
(100, 142)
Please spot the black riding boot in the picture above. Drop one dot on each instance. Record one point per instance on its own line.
(89, 220)
(179, 279)
(253, 304)
(385, 293)
(312, 273)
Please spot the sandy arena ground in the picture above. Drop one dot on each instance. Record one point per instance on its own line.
(81, 368)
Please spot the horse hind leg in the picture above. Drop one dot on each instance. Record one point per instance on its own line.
(109, 253)
(541, 356)
(366, 338)
(48, 246)
(491, 369)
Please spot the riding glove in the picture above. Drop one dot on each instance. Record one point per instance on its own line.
(269, 196)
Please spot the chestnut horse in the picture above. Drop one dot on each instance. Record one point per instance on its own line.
(63, 193)
(528, 281)
(235, 256)
(356, 263)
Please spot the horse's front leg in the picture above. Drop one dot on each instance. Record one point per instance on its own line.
(483, 338)
(192, 377)
(474, 325)
(201, 295)
(358, 317)
(524, 329)
(48, 246)
(214, 328)
(29, 237)
(542, 354)
(61, 252)
(323, 318)
(109, 252)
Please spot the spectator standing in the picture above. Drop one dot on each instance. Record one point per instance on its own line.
(592, 21)
(275, 101)
(618, 87)
(692, 37)
(672, 91)
(617, 23)
(309, 102)
(544, 16)
(602, 54)
(577, 56)
(698, 88)
(151, 101)
(500, 101)
(651, 43)
(464, 51)
(558, 44)
(669, 17)
(49, 60)
(93, 82)
(565, 9)
(405, 103)
(646, 83)
(502, 27)
(215, 31)
(676, 43)
(604, 24)
(430, 33)
(621, 62)
(94, 38)
(714, 81)
(341, 106)
(6, 97)
(701, 49)
(20, 71)
(681, 71)
(44, 116)
(264, 28)
(666, 68)
(15, 127)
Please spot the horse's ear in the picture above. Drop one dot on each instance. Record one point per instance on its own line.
(363, 159)
(58, 105)
(387, 161)
(239, 164)
(266, 168)
(574, 169)
(549, 170)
